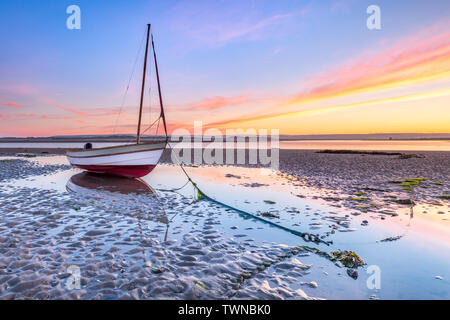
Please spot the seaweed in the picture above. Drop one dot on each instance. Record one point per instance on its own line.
(348, 259)
(331, 198)
(359, 199)
(157, 271)
(409, 183)
(269, 201)
(444, 197)
(26, 155)
(391, 239)
(229, 175)
(356, 260)
(362, 208)
(268, 214)
(198, 283)
(318, 252)
(410, 156)
(374, 189)
(403, 201)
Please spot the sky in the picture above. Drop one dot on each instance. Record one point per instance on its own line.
(303, 67)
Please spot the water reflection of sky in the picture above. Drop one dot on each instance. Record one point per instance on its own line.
(402, 145)
(409, 265)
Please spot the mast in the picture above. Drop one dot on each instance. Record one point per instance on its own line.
(159, 89)
(138, 140)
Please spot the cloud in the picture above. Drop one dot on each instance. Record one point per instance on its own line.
(59, 106)
(213, 24)
(25, 115)
(420, 58)
(11, 104)
(218, 102)
(232, 34)
(19, 89)
(401, 98)
(409, 62)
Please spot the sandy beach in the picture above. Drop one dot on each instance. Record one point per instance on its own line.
(164, 245)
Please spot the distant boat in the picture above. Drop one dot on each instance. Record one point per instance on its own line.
(131, 161)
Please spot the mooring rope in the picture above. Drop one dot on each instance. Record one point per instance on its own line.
(308, 237)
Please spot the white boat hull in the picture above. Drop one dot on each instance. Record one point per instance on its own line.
(132, 161)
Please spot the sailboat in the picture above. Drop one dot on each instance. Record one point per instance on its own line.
(131, 160)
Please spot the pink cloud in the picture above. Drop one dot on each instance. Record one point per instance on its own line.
(59, 106)
(413, 59)
(25, 115)
(220, 102)
(419, 58)
(11, 104)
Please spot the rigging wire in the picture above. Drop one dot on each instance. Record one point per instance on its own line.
(149, 93)
(157, 120)
(129, 82)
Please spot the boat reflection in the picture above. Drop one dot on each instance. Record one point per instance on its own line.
(91, 183)
(108, 186)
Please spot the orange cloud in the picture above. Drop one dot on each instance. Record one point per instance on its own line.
(414, 62)
(417, 59)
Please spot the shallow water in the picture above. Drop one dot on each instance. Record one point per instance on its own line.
(393, 145)
(203, 248)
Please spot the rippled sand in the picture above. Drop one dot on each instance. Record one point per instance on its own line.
(165, 246)
(118, 244)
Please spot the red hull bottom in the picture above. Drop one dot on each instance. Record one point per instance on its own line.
(122, 171)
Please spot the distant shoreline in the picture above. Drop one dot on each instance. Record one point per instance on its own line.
(93, 139)
(421, 136)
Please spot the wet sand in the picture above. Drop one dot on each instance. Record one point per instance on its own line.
(372, 179)
(139, 246)
(367, 182)
(119, 243)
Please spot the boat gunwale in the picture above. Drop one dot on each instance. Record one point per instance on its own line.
(115, 147)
